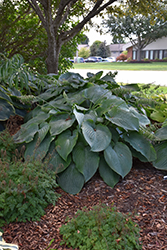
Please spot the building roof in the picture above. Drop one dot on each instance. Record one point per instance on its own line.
(116, 47)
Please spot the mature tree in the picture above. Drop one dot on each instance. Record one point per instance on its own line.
(85, 40)
(22, 32)
(94, 48)
(84, 52)
(64, 19)
(103, 50)
(139, 29)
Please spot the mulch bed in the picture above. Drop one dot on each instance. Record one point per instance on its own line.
(142, 192)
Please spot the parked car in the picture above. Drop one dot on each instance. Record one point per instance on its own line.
(110, 59)
(79, 59)
(92, 59)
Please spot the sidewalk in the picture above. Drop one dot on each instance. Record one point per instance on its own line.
(154, 77)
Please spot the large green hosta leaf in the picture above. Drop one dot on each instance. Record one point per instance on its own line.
(71, 180)
(141, 144)
(60, 122)
(119, 158)
(108, 175)
(66, 142)
(86, 161)
(97, 136)
(36, 149)
(57, 163)
(6, 110)
(43, 130)
(161, 161)
(96, 93)
(123, 118)
(26, 133)
(143, 120)
(161, 133)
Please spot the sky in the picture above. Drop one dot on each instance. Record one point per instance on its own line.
(93, 35)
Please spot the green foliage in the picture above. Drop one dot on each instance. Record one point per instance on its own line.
(26, 188)
(84, 52)
(139, 28)
(101, 228)
(7, 145)
(85, 128)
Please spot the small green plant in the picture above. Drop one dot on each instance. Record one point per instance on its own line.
(7, 145)
(102, 228)
(26, 188)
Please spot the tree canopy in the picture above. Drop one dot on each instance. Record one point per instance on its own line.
(141, 30)
(59, 22)
(64, 19)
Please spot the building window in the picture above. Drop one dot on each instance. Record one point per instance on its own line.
(151, 54)
(142, 54)
(165, 53)
(147, 54)
(160, 54)
(134, 55)
(156, 54)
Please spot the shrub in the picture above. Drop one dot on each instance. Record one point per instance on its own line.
(101, 228)
(26, 188)
(121, 57)
(7, 145)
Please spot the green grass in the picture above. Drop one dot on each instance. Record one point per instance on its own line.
(154, 66)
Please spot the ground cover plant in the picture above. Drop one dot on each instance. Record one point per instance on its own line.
(101, 228)
(154, 66)
(85, 128)
(26, 188)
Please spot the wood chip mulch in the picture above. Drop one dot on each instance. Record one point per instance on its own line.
(143, 192)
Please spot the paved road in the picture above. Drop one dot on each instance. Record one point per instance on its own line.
(155, 77)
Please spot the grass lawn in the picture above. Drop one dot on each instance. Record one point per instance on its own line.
(154, 66)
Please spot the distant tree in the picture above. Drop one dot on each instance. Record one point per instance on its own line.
(141, 30)
(94, 48)
(85, 39)
(103, 50)
(84, 52)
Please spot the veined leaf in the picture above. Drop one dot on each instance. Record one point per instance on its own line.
(71, 180)
(86, 161)
(43, 130)
(97, 136)
(161, 133)
(79, 116)
(109, 176)
(119, 158)
(141, 144)
(38, 149)
(60, 122)
(143, 120)
(123, 118)
(161, 161)
(6, 110)
(65, 143)
(26, 134)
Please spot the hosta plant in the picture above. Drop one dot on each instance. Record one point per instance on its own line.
(17, 81)
(101, 228)
(83, 127)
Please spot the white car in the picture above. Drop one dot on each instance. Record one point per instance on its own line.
(110, 59)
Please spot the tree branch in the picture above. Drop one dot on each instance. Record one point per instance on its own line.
(38, 11)
(66, 36)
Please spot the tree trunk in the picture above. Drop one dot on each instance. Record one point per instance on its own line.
(139, 49)
(53, 52)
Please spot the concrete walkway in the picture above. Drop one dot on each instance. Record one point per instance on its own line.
(154, 77)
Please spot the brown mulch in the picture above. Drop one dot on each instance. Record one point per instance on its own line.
(143, 192)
